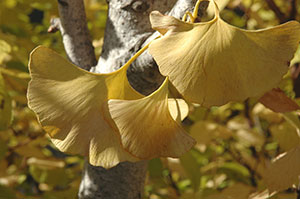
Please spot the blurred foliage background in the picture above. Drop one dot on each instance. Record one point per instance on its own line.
(237, 142)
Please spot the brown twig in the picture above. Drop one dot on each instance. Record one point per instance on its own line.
(238, 157)
(173, 184)
(293, 10)
(280, 15)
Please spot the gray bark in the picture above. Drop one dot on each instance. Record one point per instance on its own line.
(74, 31)
(127, 30)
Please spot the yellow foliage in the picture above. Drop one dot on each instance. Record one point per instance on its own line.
(212, 63)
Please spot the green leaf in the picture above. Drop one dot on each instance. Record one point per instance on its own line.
(235, 171)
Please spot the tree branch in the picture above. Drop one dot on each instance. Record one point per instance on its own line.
(73, 28)
(293, 10)
(123, 181)
(281, 17)
(127, 30)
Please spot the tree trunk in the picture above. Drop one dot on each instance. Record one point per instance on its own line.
(127, 30)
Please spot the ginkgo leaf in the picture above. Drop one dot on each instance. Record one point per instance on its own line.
(277, 101)
(71, 105)
(147, 128)
(221, 4)
(212, 63)
(178, 108)
(284, 171)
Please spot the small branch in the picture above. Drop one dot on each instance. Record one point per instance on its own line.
(238, 157)
(55, 25)
(293, 10)
(173, 184)
(73, 28)
(281, 16)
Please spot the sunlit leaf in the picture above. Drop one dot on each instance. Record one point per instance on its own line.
(147, 128)
(71, 105)
(212, 63)
(178, 108)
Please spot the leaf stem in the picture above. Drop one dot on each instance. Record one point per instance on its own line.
(195, 13)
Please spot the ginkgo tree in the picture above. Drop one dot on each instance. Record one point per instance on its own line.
(209, 63)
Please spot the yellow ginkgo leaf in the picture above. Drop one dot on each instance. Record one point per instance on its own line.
(147, 128)
(212, 63)
(178, 108)
(71, 105)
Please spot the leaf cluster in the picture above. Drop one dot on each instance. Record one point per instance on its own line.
(244, 150)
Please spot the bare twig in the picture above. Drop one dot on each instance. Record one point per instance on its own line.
(55, 25)
(173, 184)
(293, 10)
(281, 16)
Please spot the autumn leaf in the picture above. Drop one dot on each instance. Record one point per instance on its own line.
(71, 105)
(147, 128)
(212, 63)
(277, 101)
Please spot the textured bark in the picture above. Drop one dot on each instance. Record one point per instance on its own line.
(127, 30)
(123, 181)
(73, 27)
